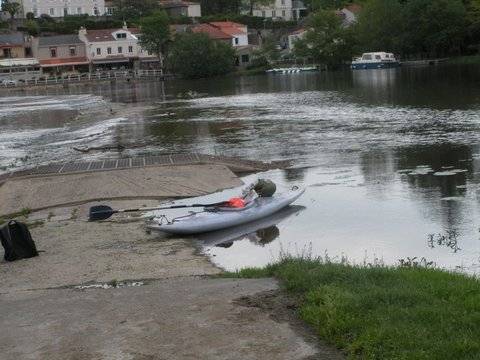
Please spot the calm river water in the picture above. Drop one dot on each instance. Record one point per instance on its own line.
(390, 158)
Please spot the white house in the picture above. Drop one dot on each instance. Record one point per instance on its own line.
(282, 9)
(349, 14)
(115, 48)
(61, 8)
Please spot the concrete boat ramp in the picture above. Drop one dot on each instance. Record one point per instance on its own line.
(110, 290)
(154, 177)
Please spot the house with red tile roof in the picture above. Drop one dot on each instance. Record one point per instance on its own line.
(231, 33)
(234, 33)
(115, 48)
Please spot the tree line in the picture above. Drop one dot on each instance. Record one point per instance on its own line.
(408, 28)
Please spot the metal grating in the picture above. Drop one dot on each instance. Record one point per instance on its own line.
(125, 163)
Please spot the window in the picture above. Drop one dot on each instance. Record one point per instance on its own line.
(65, 11)
(236, 41)
(263, 13)
(35, 12)
(110, 11)
(95, 11)
(245, 58)
(109, 50)
(378, 57)
(121, 36)
(52, 11)
(120, 50)
(7, 53)
(130, 49)
(283, 2)
(73, 51)
(99, 51)
(274, 13)
(79, 10)
(284, 13)
(367, 57)
(53, 52)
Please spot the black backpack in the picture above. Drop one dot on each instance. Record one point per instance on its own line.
(17, 241)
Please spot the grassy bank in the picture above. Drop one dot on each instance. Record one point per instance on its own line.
(465, 60)
(385, 313)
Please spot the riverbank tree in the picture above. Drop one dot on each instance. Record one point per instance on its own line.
(155, 34)
(422, 28)
(326, 40)
(195, 55)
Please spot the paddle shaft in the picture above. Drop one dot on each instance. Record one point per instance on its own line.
(162, 208)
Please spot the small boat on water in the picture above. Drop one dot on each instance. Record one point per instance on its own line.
(218, 218)
(291, 70)
(375, 60)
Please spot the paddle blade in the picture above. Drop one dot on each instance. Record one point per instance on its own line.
(100, 212)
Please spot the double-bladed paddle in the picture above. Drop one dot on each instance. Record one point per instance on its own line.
(103, 212)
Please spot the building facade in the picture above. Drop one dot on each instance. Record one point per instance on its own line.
(15, 45)
(61, 54)
(282, 9)
(115, 48)
(178, 8)
(61, 8)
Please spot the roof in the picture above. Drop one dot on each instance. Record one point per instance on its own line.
(106, 34)
(19, 62)
(212, 31)
(12, 39)
(65, 61)
(354, 8)
(299, 31)
(227, 24)
(59, 40)
(229, 27)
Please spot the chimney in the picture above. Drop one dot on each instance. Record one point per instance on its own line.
(82, 34)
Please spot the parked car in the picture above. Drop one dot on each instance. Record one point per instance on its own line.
(8, 82)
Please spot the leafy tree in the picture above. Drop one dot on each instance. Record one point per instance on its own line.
(380, 26)
(195, 55)
(434, 27)
(155, 34)
(129, 10)
(314, 5)
(32, 27)
(215, 7)
(326, 40)
(268, 52)
(12, 8)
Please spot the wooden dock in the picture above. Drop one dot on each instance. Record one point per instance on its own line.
(237, 165)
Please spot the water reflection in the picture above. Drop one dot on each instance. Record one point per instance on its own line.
(388, 156)
(259, 233)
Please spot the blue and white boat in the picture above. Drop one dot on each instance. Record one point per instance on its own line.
(375, 60)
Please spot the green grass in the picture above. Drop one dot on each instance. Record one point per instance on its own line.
(382, 312)
(471, 59)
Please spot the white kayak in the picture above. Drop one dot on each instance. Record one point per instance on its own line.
(221, 218)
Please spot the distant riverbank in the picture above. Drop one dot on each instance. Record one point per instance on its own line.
(384, 312)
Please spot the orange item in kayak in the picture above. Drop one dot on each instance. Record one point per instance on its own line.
(236, 203)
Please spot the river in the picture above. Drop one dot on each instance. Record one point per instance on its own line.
(390, 158)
